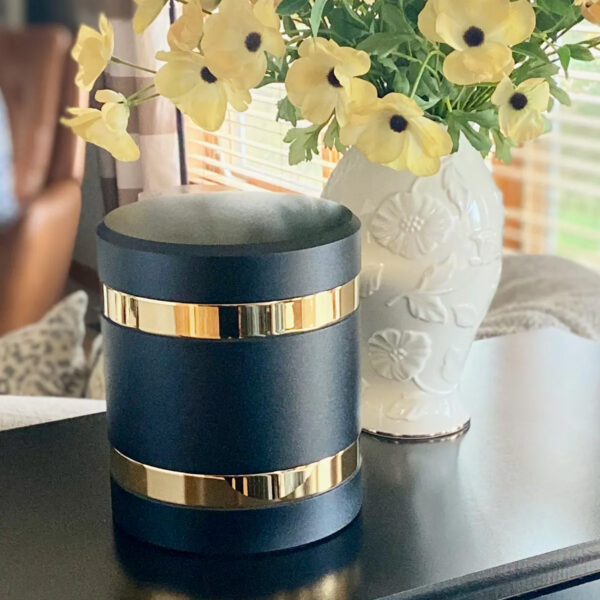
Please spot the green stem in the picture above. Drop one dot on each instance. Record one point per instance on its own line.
(140, 92)
(119, 61)
(421, 72)
(142, 100)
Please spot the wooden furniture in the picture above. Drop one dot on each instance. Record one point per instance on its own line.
(37, 82)
(511, 508)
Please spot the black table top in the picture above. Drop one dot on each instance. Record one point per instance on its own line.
(511, 507)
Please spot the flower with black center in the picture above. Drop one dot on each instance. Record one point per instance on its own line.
(237, 38)
(394, 131)
(521, 108)
(189, 81)
(481, 32)
(324, 79)
(590, 10)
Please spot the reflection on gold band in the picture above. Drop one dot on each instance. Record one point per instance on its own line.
(234, 491)
(231, 321)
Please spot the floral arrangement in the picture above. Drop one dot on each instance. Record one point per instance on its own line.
(401, 80)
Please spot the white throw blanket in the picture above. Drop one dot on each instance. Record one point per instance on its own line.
(21, 411)
(544, 291)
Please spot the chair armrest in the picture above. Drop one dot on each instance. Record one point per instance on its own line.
(35, 254)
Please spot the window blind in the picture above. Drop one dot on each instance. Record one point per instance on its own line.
(551, 188)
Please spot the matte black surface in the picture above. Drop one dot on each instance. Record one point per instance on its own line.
(254, 271)
(235, 532)
(512, 507)
(260, 404)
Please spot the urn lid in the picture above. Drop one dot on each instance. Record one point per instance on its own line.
(228, 247)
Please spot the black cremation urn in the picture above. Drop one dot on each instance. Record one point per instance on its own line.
(232, 369)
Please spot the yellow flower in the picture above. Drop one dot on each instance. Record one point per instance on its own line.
(187, 30)
(189, 82)
(520, 108)
(393, 131)
(93, 51)
(237, 37)
(590, 10)
(481, 33)
(324, 79)
(106, 128)
(146, 12)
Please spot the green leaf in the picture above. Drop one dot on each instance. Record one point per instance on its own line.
(579, 52)
(292, 7)
(564, 54)
(316, 14)
(558, 7)
(502, 146)
(560, 94)
(304, 143)
(286, 111)
(381, 44)
(531, 49)
(332, 137)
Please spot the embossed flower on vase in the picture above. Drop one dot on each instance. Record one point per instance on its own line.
(411, 225)
(399, 355)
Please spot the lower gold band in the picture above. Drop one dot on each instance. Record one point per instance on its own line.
(235, 491)
(231, 321)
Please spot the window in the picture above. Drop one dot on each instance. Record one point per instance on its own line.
(551, 189)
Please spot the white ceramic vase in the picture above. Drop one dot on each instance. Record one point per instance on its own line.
(432, 255)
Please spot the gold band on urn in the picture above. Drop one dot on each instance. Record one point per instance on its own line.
(235, 491)
(231, 321)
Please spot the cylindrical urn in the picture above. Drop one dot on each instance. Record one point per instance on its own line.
(232, 369)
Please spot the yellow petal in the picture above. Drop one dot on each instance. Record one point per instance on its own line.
(591, 13)
(273, 42)
(484, 64)
(264, 11)
(116, 116)
(417, 160)
(503, 92)
(402, 105)
(427, 20)
(361, 94)
(433, 139)
(189, 82)
(93, 51)
(105, 96)
(484, 14)
(537, 91)
(146, 12)
(517, 27)
(187, 30)
(521, 126)
(90, 125)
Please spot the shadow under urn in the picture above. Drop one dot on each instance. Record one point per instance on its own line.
(232, 368)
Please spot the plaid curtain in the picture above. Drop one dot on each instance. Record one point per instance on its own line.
(153, 125)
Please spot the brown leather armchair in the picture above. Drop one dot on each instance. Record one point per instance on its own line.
(36, 79)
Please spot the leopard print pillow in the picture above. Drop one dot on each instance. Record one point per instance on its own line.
(47, 358)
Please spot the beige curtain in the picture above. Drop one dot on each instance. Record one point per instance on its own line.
(153, 124)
